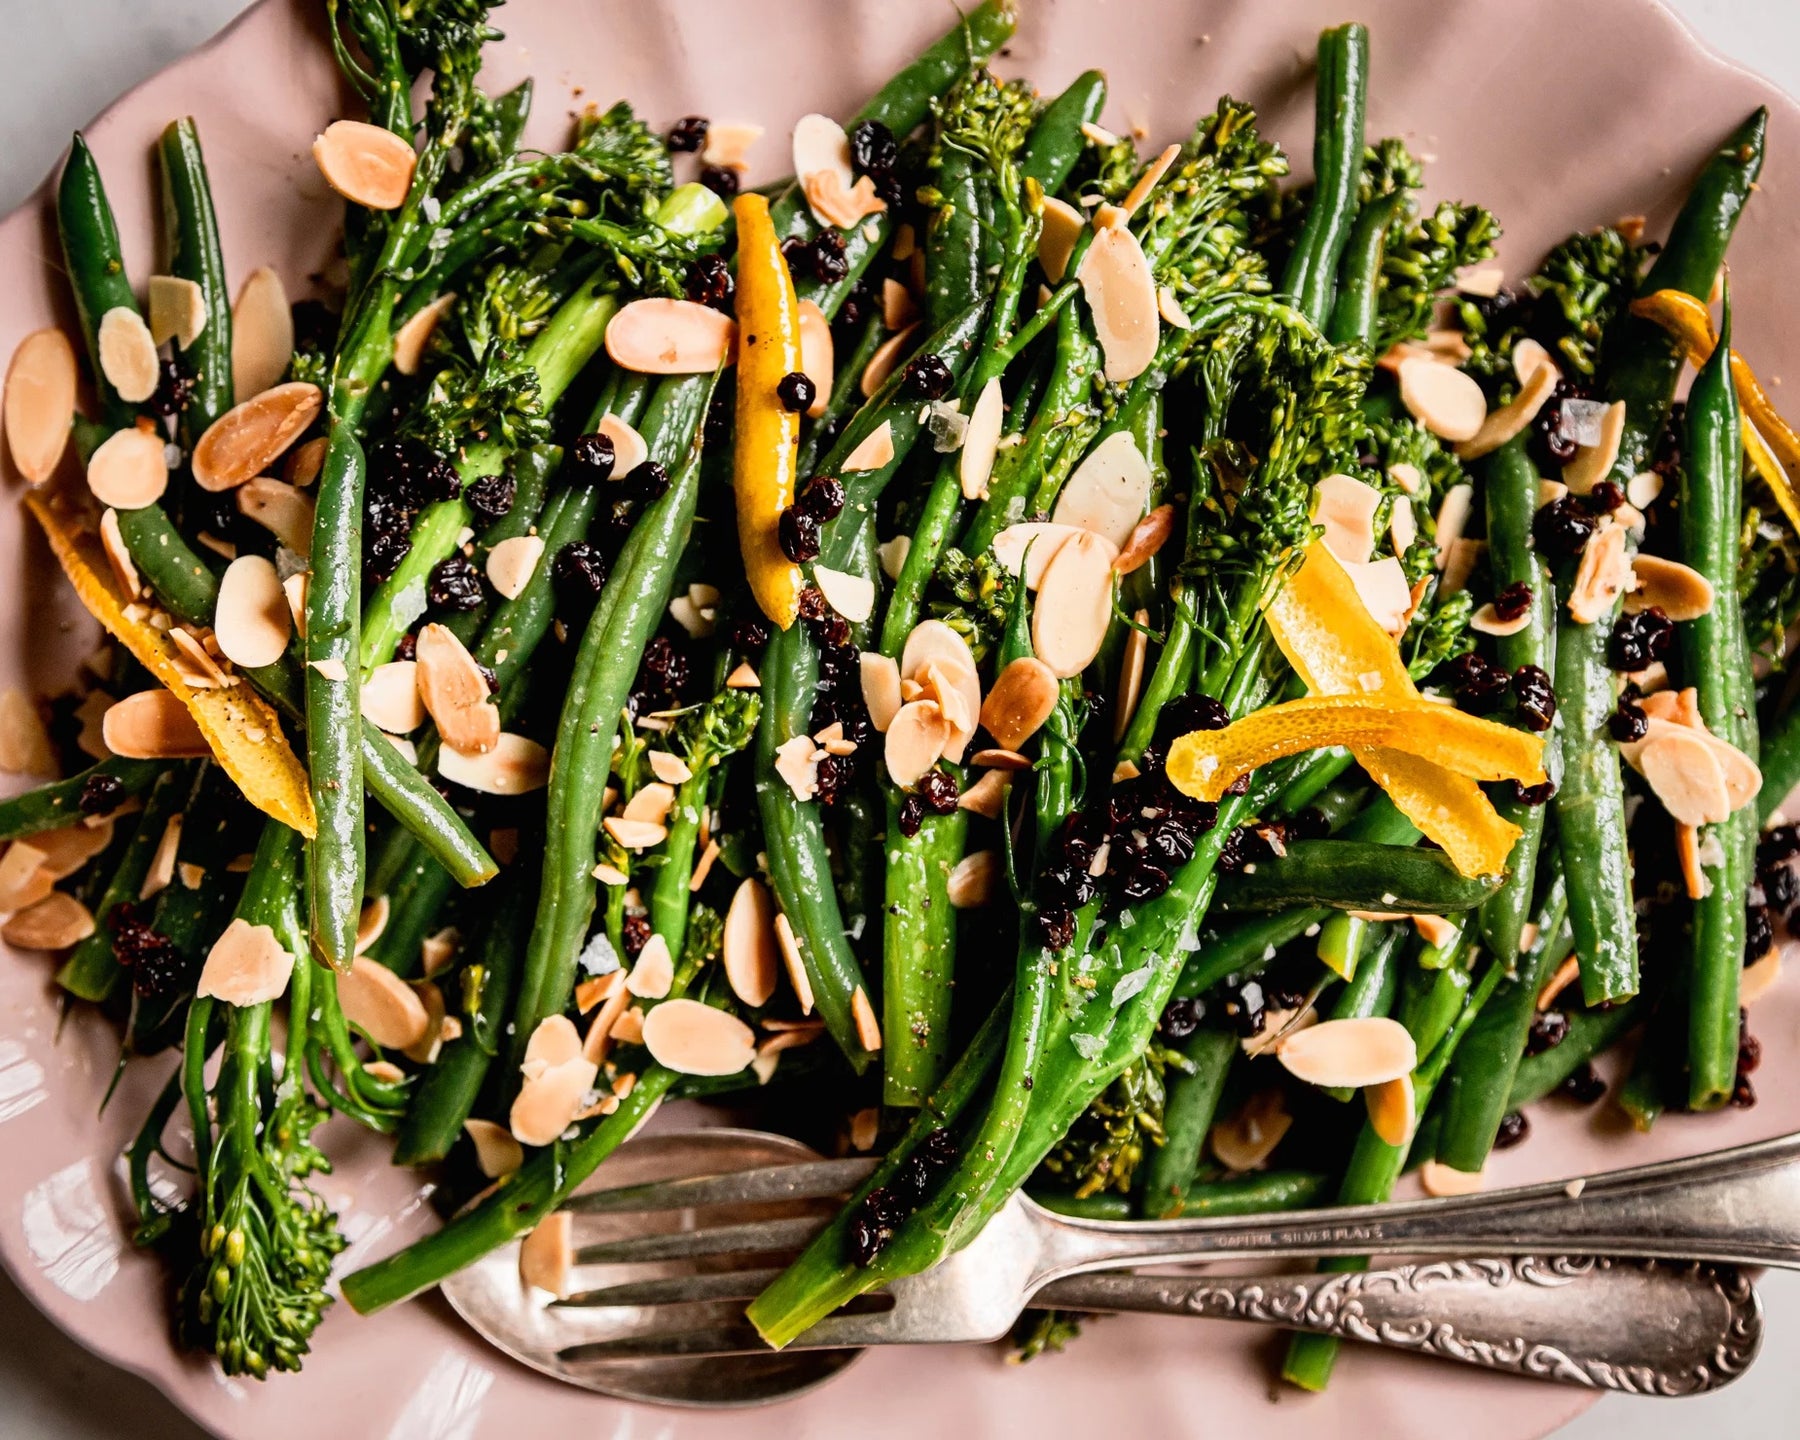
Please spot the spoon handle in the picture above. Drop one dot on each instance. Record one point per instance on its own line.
(1644, 1327)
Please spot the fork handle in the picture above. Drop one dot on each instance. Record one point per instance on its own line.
(1575, 1321)
(1733, 1207)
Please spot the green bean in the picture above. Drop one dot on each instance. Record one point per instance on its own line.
(1359, 293)
(846, 394)
(96, 267)
(192, 240)
(1589, 1033)
(1255, 1194)
(1779, 760)
(531, 469)
(1353, 875)
(1057, 139)
(1104, 1206)
(334, 856)
(919, 951)
(954, 278)
(1188, 1110)
(1312, 269)
(1715, 658)
(52, 806)
(1372, 989)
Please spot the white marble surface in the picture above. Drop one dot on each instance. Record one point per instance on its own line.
(63, 61)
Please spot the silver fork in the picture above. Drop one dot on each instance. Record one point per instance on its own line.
(1738, 1206)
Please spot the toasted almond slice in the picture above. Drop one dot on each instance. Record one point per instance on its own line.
(1743, 780)
(247, 965)
(177, 310)
(797, 763)
(1564, 976)
(794, 963)
(1486, 621)
(25, 747)
(1683, 771)
(876, 450)
(1758, 977)
(1603, 575)
(372, 922)
(1023, 698)
(1346, 507)
(118, 557)
(1028, 548)
(703, 866)
(1000, 759)
(23, 879)
(1442, 399)
(628, 1029)
(868, 1028)
(391, 699)
(514, 765)
(262, 333)
(981, 440)
(1512, 418)
(934, 640)
(885, 361)
(818, 355)
(898, 308)
(1693, 867)
(750, 949)
(728, 144)
(653, 972)
(957, 689)
(865, 1127)
(1074, 604)
(455, 692)
(294, 588)
(1407, 477)
(685, 613)
(252, 621)
(332, 668)
(1392, 1109)
(40, 403)
(987, 796)
(1484, 281)
(128, 470)
(974, 880)
(659, 336)
(550, 1096)
(1108, 492)
(1643, 488)
(1131, 676)
(1245, 1139)
(1459, 564)
(1403, 528)
(128, 357)
(695, 1039)
(1592, 463)
(1168, 305)
(635, 834)
(652, 802)
(1063, 225)
(152, 725)
(67, 849)
(366, 164)
(512, 563)
(1679, 591)
(880, 688)
(852, 596)
(1150, 179)
(610, 874)
(416, 331)
(837, 205)
(1121, 294)
(54, 923)
(1350, 1053)
(592, 991)
(669, 768)
(1444, 1181)
(496, 1152)
(382, 1005)
(252, 435)
(438, 949)
(821, 146)
(743, 678)
(916, 738)
(161, 872)
(1147, 537)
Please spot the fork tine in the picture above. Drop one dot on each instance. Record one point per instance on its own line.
(669, 1344)
(680, 1290)
(810, 1181)
(756, 1238)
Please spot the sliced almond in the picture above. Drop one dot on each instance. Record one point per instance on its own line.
(23, 879)
(1392, 1109)
(868, 1028)
(1026, 549)
(438, 949)
(64, 851)
(974, 880)
(876, 450)
(652, 802)
(1679, 591)
(1486, 621)
(372, 922)
(1244, 1140)
(934, 640)
(1603, 575)
(820, 147)
(880, 688)
(332, 668)
(1643, 488)
(981, 441)
(653, 972)
(915, 741)
(1407, 477)
(416, 331)
(695, 1039)
(246, 966)
(118, 556)
(512, 563)
(852, 596)
(797, 763)
(1131, 676)
(251, 436)
(514, 765)
(1683, 771)
(892, 554)
(743, 678)
(1346, 508)
(152, 725)
(1168, 305)
(1349, 1053)
(728, 144)
(128, 470)
(25, 747)
(177, 310)
(1023, 698)
(252, 621)
(1403, 529)
(1150, 179)
(1564, 976)
(1592, 463)
(1693, 867)
(628, 1029)
(1443, 1181)
(898, 308)
(794, 963)
(818, 355)
(547, 1253)
(1759, 977)
(669, 768)
(294, 587)
(987, 796)
(54, 923)
(659, 336)
(750, 949)
(839, 205)
(953, 683)
(1147, 537)
(1063, 225)
(1444, 400)
(382, 1005)
(366, 164)
(557, 1079)
(1108, 492)
(1459, 564)
(496, 1152)
(455, 692)
(391, 699)
(262, 333)
(1512, 418)
(1743, 780)
(1000, 759)
(1121, 294)
(40, 403)
(161, 872)
(635, 834)
(128, 357)
(886, 360)
(1074, 604)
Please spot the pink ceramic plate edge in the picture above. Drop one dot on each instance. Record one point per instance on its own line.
(1556, 116)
